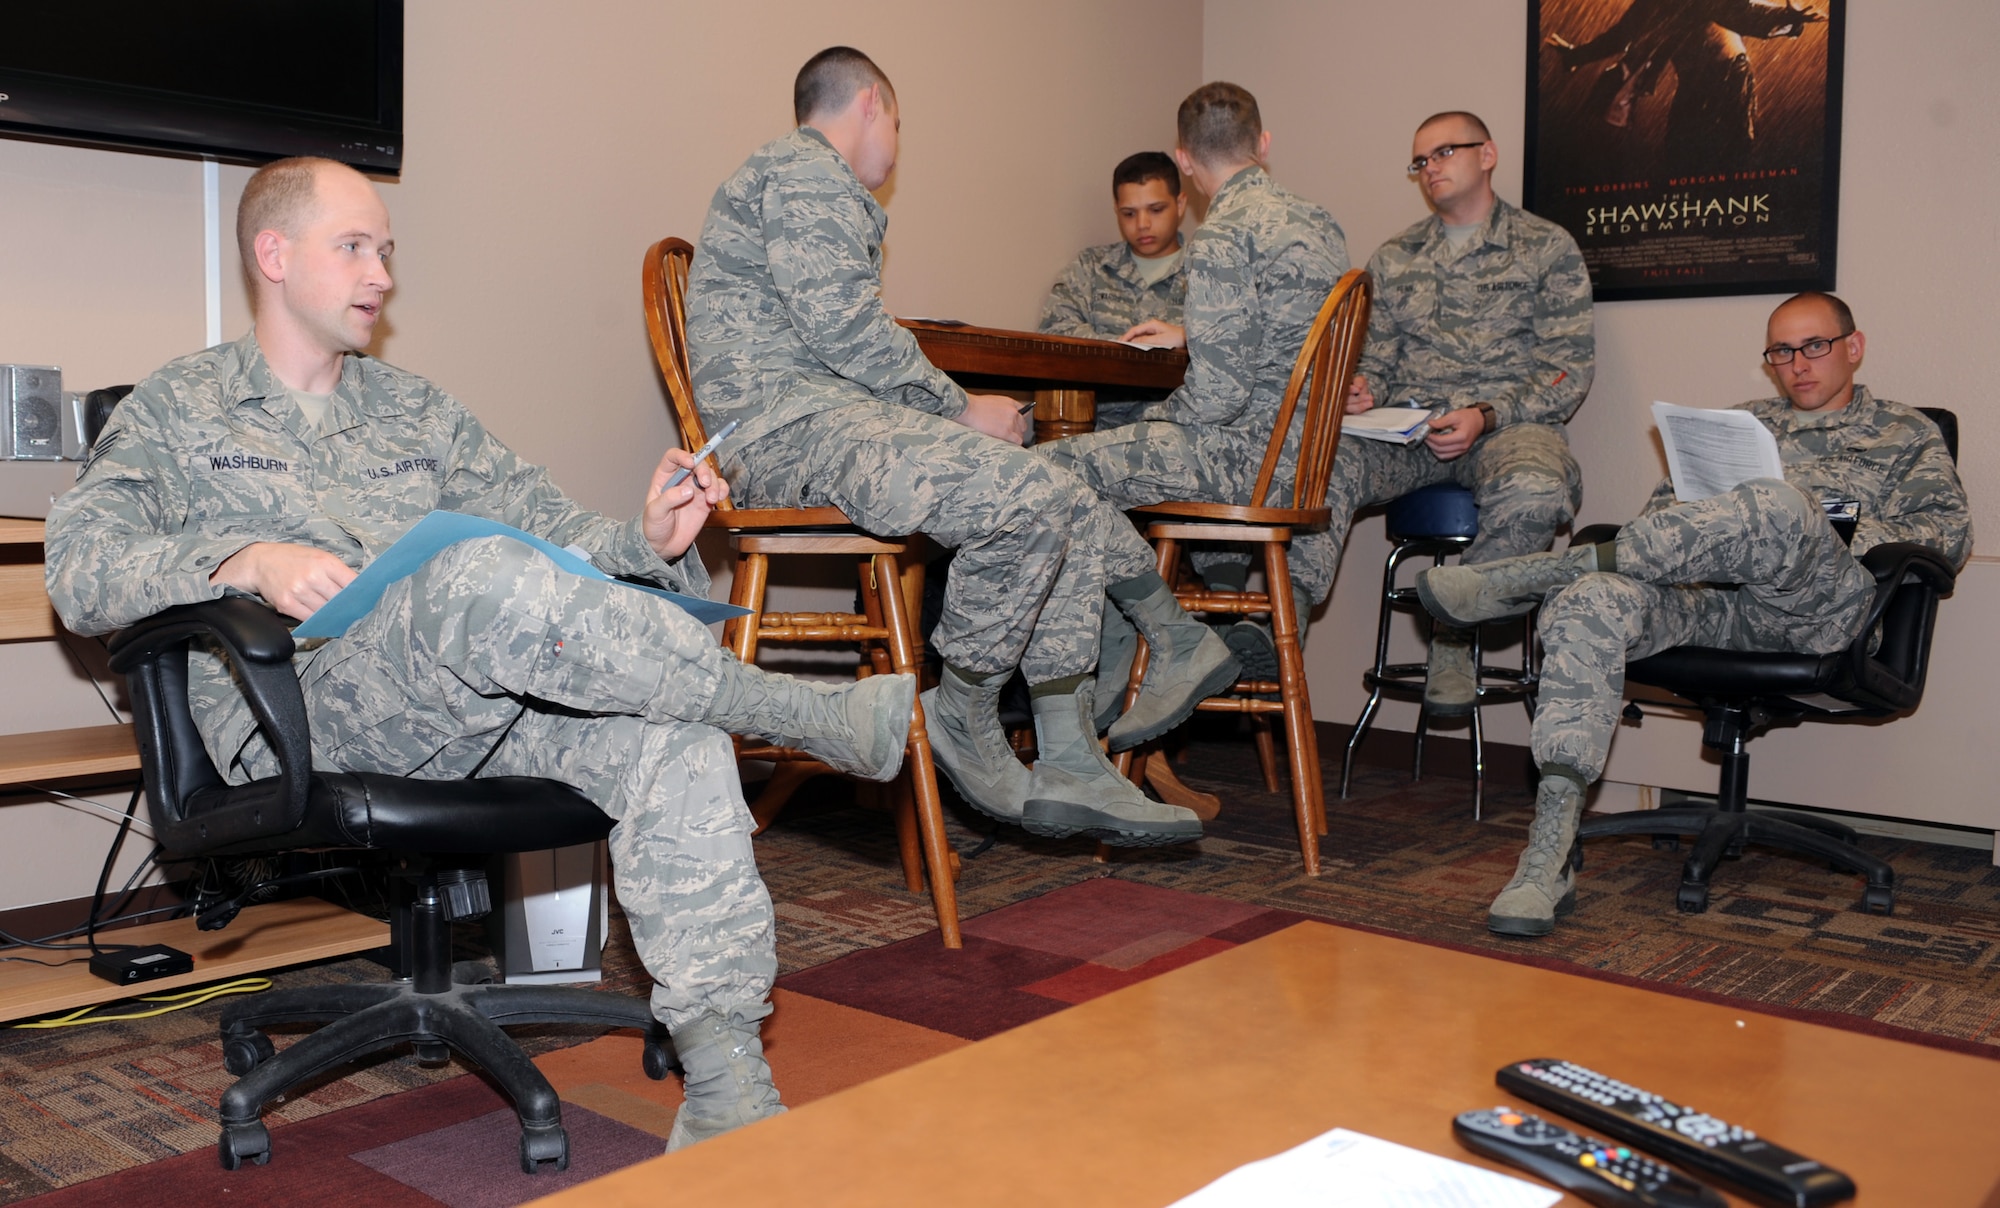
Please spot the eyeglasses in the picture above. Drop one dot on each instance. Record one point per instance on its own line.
(1813, 350)
(1445, 152)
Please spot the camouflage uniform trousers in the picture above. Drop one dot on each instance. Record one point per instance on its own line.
(1523, 477)
(491, 661)
(1756, 568)
(1035, 547)
(1150, 461)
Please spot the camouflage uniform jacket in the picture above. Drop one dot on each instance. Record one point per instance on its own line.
(1888, 457)
(209, 455)
(1100, 295)
(784, 308)
(1506, 322)
(1258, 269)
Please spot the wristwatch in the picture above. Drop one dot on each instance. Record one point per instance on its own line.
(1488, 420)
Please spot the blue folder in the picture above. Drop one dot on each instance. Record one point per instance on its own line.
(440, 529)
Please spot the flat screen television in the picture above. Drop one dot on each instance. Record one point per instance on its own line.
(243, 81)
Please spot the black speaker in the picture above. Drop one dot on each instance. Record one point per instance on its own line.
(33, 402)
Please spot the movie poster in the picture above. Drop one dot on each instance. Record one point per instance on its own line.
(1691, 146)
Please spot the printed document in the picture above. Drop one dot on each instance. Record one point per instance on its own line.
(1344, 1169)
(1709, 452)
(440, 529)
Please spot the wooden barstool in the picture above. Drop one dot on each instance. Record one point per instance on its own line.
(885, 629)
(1324, 367)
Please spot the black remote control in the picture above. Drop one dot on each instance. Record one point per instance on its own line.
(1679, 1133)
(1604, 1174)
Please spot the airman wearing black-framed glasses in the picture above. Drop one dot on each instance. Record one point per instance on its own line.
(1757, 567)
(1482, 313)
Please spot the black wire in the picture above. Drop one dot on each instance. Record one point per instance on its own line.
(15, 941)
(62, 635)
(125, 894)
(104, 876)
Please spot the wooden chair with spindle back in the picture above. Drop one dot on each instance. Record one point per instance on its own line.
(1324, 366)
(886, 629)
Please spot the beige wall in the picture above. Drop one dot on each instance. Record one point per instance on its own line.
(545, 153)
(546, 148)
(1343, 86)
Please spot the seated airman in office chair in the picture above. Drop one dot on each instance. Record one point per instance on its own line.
(277, 466)
(1756, 568)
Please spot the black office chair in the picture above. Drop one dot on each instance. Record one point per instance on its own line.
(1741, 694)
(438, 835)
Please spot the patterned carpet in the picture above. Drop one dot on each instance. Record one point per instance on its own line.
(79, 1104)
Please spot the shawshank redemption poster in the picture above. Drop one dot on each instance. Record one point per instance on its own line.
(1691, 146)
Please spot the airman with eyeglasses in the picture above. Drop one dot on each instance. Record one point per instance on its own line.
(1483, 314)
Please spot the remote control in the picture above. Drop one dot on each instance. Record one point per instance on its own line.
(1609, 1175)
(1676, 1132)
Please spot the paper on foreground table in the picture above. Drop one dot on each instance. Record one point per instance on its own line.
(441, 529)
(1709, 452)
(1344, 1169)
(1395, 425)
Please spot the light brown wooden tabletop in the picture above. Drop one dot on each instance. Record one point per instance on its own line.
(1146, 1094)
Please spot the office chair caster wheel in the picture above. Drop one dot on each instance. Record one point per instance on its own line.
(431, 1053)
(1666, 842)
(1692, 898)
(548, 1143)
(1878, 899)
(659, 1059)
(241, 1054)
(244, 1142)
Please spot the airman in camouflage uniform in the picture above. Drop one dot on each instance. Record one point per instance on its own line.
(1107, 291)
(1758, 567)
(836, 405)
(1101, 296)
(487, 661)
(1259, 269)
(1492, 323)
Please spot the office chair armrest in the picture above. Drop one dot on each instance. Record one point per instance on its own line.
(1887, 663)
(183, 784)
(251, 631)
(1896, 563)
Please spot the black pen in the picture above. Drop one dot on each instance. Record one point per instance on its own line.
(701, 455)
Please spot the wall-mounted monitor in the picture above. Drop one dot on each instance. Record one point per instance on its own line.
(243, 81)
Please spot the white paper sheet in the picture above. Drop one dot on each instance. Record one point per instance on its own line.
(1709, 452)
(1395, 425)
(1344, 1169)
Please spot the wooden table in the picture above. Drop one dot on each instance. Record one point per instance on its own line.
(1144, 1095)
(1063, 371)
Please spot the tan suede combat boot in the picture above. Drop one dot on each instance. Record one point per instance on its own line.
(1544, 885)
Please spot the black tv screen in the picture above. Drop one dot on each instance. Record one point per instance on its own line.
(245, 81)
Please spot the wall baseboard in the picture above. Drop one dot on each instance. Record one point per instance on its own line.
(1508, 765)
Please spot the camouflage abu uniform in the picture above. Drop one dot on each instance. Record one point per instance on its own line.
(1101, 296)
(1507, 321)
(1258, 271)
(210, 455)
(1796, 586)
(837, 406)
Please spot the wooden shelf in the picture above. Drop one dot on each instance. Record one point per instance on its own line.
(60, 754)
(261, 938)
